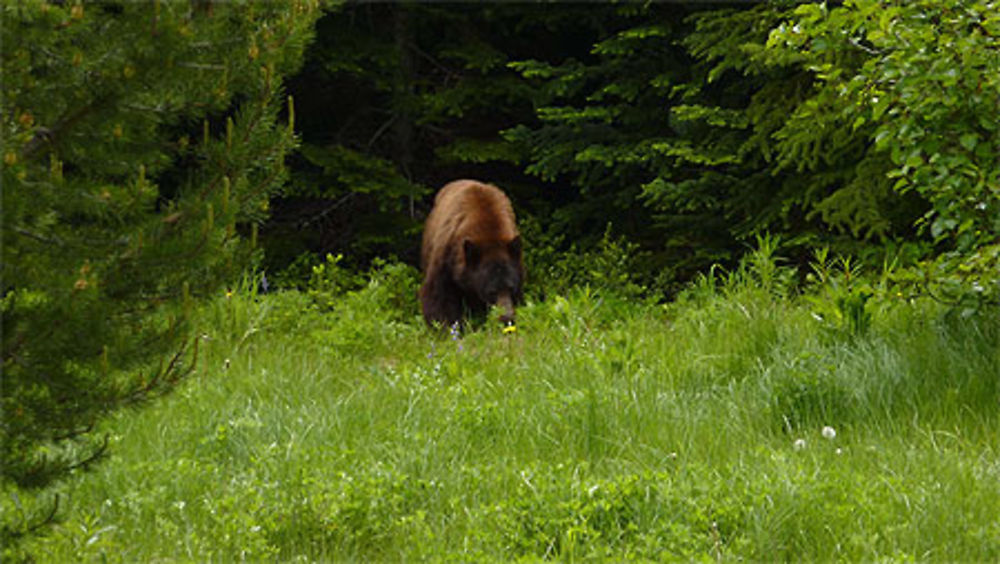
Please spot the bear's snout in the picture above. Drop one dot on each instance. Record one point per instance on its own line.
(506, 304)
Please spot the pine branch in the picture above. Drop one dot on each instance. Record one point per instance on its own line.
(172, 374)
(327, 210)
(50, 518)
(8, 533)
(382, 129)
(73, 433)
(38, 237)
(202, 66)
(46, 136)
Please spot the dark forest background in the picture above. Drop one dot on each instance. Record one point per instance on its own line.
(687, 128)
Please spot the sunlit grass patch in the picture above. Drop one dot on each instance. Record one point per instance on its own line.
(726, 425)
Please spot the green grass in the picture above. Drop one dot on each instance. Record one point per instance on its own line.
(602, 430)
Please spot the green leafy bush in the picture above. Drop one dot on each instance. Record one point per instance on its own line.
(330, 280)
(612, 266)
(920, 80)
(841, 298)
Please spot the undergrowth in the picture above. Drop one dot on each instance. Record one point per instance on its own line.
(741, 421)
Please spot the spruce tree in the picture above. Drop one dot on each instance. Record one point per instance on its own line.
(140, 140)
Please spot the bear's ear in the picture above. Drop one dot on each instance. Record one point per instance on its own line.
(471, 252)
(514, 247)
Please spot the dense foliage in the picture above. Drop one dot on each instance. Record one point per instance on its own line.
(918, 83)
(688, 128)
(139, 140)
(405, 97)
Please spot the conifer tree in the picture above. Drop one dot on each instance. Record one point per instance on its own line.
(139, 141)
(403, 97)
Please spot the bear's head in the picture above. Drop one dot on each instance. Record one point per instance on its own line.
(493, 273)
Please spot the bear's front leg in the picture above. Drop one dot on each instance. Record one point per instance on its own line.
(441, 299)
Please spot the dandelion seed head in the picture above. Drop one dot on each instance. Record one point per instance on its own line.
(799, 444)
(829, 432)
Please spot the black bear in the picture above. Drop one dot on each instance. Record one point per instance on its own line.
(471, 254)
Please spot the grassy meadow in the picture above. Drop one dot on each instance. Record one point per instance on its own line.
(736, 422)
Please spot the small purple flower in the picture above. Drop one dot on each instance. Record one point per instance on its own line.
(456, 335)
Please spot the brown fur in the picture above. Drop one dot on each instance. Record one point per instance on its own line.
(471, 253)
